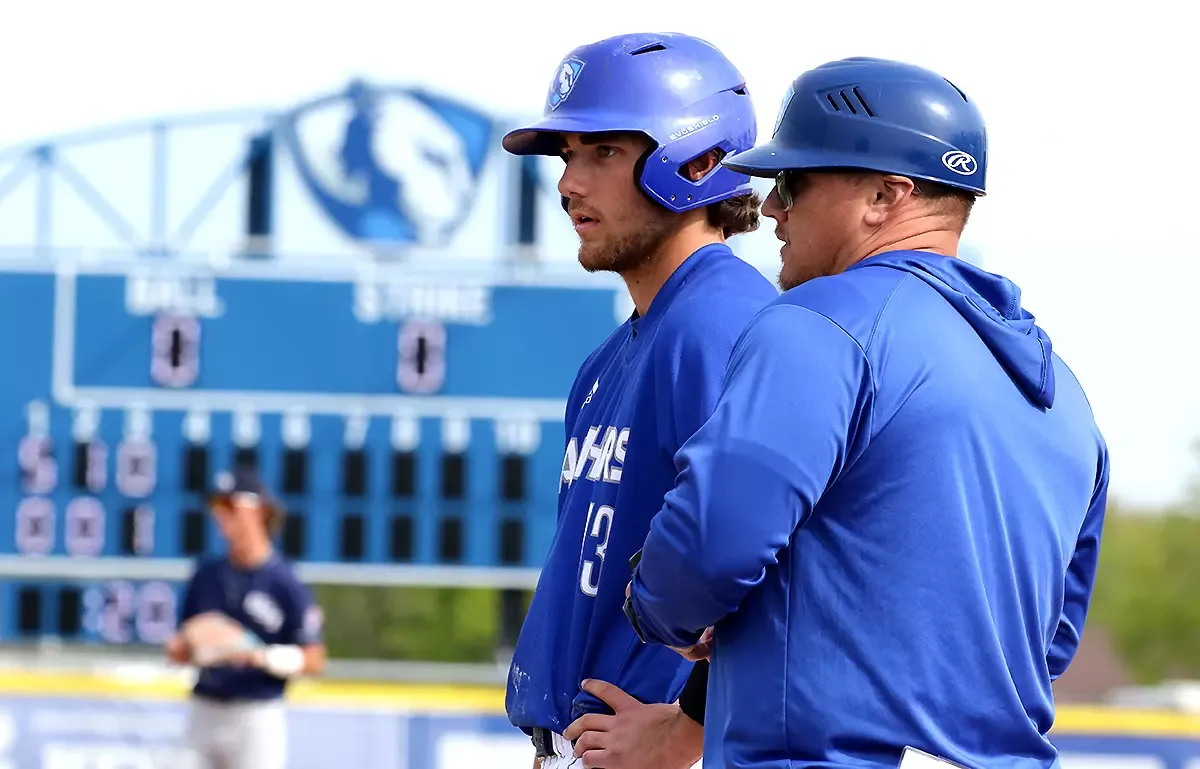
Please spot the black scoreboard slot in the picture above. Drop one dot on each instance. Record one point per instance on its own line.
(353, 544)
(29, 610)
(295, 471)
(401, 540)
(293, 535)
(195, 532)
(512, 541)
(70, 611)
(404, 474)
(450, 539)
(354, 472)
(82, 454)
(128, 534)
(195, 469)
(454, 475)
(512, 478)
(245, 458)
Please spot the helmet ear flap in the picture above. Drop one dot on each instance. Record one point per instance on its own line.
(639, 173)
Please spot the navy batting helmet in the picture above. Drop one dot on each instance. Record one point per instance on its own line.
(875, 115)
(676, 89)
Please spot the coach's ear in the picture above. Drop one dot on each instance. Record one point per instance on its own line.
(886, 194)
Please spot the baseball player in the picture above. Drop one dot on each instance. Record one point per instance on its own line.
(270, 634)
(891, 521)
(641, 122)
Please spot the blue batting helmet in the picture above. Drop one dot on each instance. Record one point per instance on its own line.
(676, 89)
(876, 115)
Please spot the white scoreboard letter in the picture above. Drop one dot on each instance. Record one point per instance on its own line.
(421, 367)
(143, 530)
(296, 428)
(39, 468)
(137, 456)
(35, 526)
(117, 610)
(518, 434)
(456, 433)
(197, 426)
(96, 472)
(175, 351)
(84, 527)
(406, 432)
(155, 621)
(137, 468)
(35, 452)
(355, 433)
(247, 428)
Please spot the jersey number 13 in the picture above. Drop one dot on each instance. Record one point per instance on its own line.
(599, 525)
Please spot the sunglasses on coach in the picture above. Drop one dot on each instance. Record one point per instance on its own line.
(786, 183)
(789, 184)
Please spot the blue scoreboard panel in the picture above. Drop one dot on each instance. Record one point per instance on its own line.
(410, 420)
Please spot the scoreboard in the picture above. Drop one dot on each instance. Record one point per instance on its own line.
(409, 417)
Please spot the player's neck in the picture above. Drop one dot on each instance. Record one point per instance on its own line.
(646, 281)
(251, 555)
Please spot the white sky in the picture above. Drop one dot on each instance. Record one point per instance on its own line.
(1092, 119)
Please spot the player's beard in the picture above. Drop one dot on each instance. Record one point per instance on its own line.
(629, 250)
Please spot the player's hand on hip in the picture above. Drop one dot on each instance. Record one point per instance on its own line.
(702, 650)
(636, 736)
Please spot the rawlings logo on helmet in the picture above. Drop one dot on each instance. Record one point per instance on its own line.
(564, 82)
(960, 162)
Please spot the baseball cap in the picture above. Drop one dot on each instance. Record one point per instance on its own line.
(244, 485)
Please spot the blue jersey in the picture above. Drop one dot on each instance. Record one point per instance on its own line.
(269, 601)
(892, 519)
(635, 400)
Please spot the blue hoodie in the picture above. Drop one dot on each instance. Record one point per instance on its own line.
(891, 520)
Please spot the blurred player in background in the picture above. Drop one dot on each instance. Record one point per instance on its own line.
(641, 122)
(894, 514)
(251, 626)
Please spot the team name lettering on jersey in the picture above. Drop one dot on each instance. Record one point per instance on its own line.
(601, 457)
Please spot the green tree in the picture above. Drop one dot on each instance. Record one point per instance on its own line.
(426, 624)
(1148, 588)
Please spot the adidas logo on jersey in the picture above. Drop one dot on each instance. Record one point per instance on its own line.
(588, 399)
(601, 458)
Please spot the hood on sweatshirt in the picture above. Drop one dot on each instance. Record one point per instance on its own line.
(992, 305)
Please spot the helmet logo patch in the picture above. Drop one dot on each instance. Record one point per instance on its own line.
(564, 82)
(960, 162)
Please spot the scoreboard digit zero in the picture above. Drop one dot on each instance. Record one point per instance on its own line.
(410, 420)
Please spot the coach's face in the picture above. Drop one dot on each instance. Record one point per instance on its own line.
(619, 228)
(819, 219)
